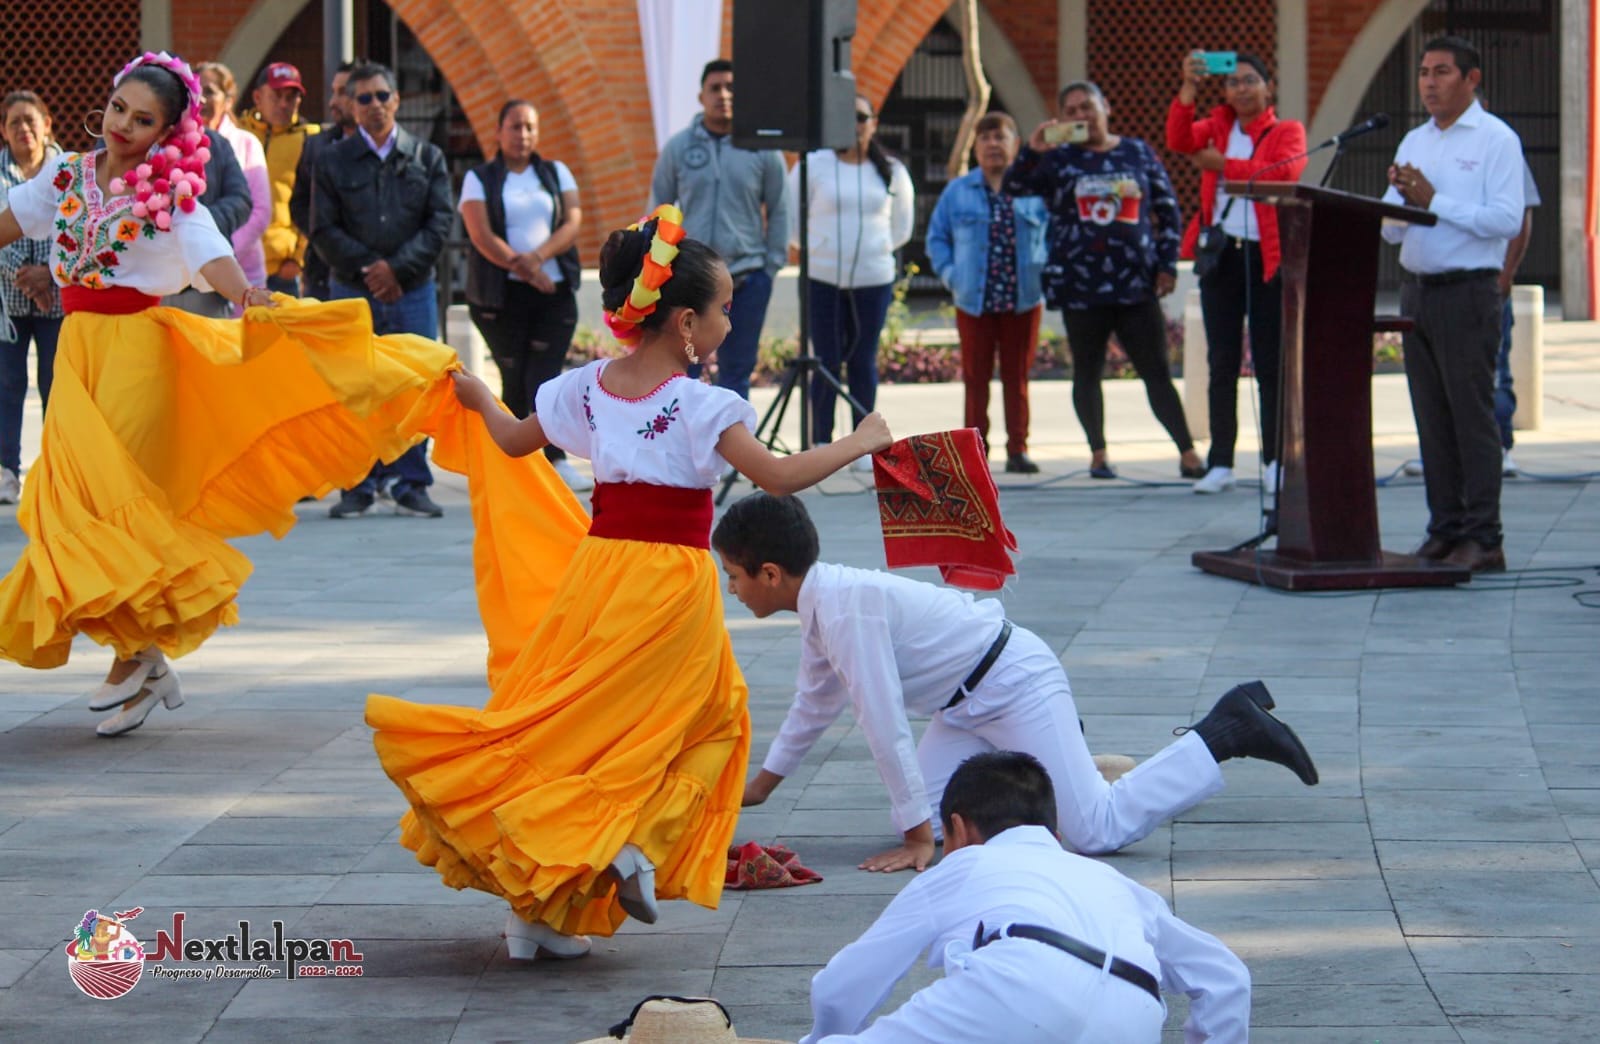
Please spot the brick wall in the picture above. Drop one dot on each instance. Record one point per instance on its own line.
(1331, 26)
(1031, 27)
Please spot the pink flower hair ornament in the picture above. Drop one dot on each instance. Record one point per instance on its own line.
(174, 174)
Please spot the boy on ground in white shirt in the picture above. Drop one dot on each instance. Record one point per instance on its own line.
(884, 645)
(1038, 946)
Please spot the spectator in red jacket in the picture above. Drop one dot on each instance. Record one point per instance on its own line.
(1240, 139)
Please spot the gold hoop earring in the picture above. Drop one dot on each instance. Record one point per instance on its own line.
(90, 130)
(688, 351)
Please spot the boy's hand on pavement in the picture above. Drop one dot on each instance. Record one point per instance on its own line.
(911, 855)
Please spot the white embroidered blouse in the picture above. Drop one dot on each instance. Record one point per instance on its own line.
(667, 438)
(99, 243)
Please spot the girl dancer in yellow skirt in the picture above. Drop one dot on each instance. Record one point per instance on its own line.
(168, 432)
(607, 768)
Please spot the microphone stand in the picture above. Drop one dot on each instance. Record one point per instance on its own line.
(1327, 175)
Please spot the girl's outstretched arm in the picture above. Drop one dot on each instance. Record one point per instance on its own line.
(516, 438)
(790, 474)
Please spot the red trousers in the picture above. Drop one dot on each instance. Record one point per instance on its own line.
(1014, 336)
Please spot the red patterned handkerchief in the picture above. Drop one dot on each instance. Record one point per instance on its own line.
(753, 865)
(939, 507)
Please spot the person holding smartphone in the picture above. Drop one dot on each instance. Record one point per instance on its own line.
(1238, 140)
(1114, 231)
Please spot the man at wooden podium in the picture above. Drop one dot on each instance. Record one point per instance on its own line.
(1465, 166)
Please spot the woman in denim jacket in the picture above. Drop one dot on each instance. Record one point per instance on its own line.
(988, 247)
(1114, 236)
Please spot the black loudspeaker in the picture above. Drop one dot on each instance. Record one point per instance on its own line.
(793, 84)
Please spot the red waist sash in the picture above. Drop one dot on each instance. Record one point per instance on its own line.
(657, 514)
(114, 300)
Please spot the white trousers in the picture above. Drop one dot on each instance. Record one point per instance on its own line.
(1025, 703)
(1020, 992)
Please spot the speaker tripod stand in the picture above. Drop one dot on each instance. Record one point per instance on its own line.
(798, 371)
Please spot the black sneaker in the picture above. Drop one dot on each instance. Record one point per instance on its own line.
(1021, 464)
(353, 503)
(415, 501)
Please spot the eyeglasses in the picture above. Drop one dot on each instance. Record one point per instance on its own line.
(862, 117)
(368, 97)
(1243, 81)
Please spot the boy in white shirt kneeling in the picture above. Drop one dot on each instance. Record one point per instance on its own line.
(884, 645)
(1038, 946)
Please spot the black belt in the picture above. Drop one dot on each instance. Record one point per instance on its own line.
(1121, 969)
(1451, 278)
(983, 665)
(1240, 243)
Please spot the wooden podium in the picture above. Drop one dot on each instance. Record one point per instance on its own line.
(1327, 502)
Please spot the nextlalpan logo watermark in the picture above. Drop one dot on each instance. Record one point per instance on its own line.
(106, 961)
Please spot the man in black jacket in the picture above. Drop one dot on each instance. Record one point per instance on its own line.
(381, 214)
(340, 124)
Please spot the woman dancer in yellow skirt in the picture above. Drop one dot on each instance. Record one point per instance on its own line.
(168, 432)
(607, 768)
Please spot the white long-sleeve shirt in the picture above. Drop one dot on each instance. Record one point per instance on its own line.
(882, 644)
(1023, 875)
(1476, 168)
(856, 222)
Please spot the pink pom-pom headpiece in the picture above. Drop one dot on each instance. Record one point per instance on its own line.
(180, 158)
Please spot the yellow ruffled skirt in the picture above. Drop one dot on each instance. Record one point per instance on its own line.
(168, 433)
(621, 718)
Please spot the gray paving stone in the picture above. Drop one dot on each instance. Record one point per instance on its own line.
(1455, 733)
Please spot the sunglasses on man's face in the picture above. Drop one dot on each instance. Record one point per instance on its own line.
(862, 117)
(368, 97)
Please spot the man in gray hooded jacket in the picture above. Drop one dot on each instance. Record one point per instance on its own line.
(733, 199)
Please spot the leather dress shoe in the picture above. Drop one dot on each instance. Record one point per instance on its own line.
(1469, 554)
(1435, 548)
(1240, 727)
(1021, 464)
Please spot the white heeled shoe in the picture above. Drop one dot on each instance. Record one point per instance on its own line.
(108, 695)
(527, 941)
(163, 689)
(636, 884)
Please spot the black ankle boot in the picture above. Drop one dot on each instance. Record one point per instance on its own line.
(1240, 727)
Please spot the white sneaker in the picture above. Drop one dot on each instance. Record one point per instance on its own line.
(1412, 468)
(10, 486)
(1271, 478)
(1508, 467)
(862, 464)
(576, 480)
(1217, 480)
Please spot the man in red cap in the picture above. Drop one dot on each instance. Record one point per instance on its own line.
(276, 121)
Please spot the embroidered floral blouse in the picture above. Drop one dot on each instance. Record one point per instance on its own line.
(97, 241)
(668, 437)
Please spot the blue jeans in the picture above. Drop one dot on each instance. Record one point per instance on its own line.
(1505, 397)
(14, 380)
(736, 359)
(417, 312)
(845, 324)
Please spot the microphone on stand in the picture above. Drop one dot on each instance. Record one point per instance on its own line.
(1367, 126)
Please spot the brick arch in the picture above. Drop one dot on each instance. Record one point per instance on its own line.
(483, 48)
(887, 33)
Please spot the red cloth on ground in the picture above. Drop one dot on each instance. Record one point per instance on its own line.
(753, 865)
(939, 506)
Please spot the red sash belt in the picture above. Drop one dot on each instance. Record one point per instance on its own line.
(114, 300)
(657, 514)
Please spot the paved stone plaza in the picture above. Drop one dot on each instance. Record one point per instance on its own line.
(1439, 885)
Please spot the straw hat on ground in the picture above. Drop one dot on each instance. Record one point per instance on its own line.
(678, 1020)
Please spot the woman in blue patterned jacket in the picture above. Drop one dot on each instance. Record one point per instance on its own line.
(1114, 235)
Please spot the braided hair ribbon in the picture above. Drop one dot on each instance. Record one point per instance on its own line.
(653, 275)
(174, 173)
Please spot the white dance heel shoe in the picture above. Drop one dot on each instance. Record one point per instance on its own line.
(636, 888)
(527, 941)
(108, 695)
(162, 688)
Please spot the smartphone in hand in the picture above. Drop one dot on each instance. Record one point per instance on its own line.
(1073, 133)
(1220, 63)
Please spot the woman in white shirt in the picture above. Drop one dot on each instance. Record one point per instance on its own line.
(861, 206)
(521, 212)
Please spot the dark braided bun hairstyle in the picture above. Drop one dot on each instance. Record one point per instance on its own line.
(694, 274)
